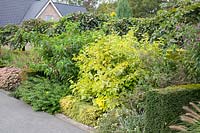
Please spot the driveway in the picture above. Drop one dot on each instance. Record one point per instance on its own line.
(18, 117)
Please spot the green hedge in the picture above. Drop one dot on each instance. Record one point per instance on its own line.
(163, 106)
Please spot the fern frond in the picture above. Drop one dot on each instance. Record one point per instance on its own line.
(188, 119)
(187, 109)
(195, 106)
(178, 128)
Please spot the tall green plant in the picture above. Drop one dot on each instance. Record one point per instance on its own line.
(57, 52)
(123, 9)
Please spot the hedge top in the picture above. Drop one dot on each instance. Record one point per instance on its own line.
(172, 89)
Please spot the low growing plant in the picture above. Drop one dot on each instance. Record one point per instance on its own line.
(129, 118)
(80, 111)
(121, 120)
(42, 94)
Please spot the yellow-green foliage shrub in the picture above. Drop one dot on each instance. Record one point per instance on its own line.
(80, 111)
(112, 67)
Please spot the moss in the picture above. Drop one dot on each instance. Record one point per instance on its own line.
(164, 106)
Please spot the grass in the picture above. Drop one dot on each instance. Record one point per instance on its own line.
(16, 58)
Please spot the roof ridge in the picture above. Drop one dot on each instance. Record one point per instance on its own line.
(42, 7)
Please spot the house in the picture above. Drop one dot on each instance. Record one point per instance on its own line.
(17, 11)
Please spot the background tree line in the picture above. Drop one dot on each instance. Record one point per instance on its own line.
(138, 8)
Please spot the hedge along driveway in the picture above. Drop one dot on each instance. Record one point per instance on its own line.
(164, 106)
(17, 117)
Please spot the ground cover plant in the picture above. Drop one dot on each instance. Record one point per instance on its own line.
(17, 58)
(41, 94)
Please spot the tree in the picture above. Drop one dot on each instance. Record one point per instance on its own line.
(144, 8)
(106, 8)
(90, 5)
(123, 9)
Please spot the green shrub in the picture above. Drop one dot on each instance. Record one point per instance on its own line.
(89, 21)
(119, 26)
(192, 59)
(80, 111)
(37, 25)
(164, 106)
(57, 52)
(7, 33)
(42, 94)
(5, 57)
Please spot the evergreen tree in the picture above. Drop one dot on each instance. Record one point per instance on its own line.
(123, 9)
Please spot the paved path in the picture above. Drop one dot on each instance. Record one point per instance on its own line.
(17, 117)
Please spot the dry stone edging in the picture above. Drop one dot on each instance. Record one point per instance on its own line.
(10, 78)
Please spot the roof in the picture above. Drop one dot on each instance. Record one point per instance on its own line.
(34, 9)
(13, 11)
(65, 9)
(16, 11)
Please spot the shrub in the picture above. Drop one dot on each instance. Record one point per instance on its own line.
(57, 52)
(112, 67)
(121, 120)
(7, 33)
(41, 94)
(192, 59)
(129, 118)
(85, 21)
(163, 106)
(5, 57)
(119, 26)
(37, 25)
(80, 111)
(89, 21)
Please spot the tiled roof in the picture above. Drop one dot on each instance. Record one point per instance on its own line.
(34, 9)
(13, 11)
(16, 11)
(65, 9)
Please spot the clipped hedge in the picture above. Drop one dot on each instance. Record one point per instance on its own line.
(163, 106)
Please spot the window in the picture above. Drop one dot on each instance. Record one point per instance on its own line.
(49, 17)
